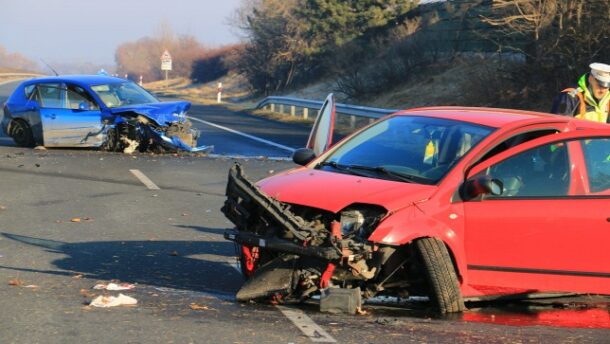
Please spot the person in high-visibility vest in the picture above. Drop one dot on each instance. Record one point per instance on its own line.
(590, 99)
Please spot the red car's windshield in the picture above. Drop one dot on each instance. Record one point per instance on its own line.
(407, 148)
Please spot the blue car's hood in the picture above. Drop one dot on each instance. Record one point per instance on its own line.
(162, 113)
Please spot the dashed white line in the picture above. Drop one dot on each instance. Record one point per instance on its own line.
(145, 180)
(300, 320)
(306, 325)
(235, 266)
(252, 137)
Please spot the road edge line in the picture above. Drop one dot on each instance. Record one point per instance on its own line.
(236, 132)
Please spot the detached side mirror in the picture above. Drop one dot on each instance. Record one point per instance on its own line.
(32, 105)
(84, 106)
(303, 156)
(482, 186)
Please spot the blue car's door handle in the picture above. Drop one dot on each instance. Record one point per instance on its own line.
(51, 116)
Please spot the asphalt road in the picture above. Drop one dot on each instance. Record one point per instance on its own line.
(70, 219)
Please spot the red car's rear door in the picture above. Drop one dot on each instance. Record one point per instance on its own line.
(547, 231)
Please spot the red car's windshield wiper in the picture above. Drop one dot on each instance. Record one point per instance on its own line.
(378, 170)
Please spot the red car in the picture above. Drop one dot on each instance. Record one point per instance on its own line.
(452, 203)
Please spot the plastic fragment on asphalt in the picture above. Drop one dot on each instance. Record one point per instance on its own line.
(40, 148)
(114, 286)
(197, 307)
(113, 301)
(15, 282)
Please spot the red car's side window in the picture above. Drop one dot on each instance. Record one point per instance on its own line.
(543, 171)
(517, 140)
(596, 153)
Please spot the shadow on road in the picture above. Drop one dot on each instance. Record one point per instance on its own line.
(159, 263)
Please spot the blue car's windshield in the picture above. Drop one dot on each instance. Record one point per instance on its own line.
(407, 148)
(123, 94)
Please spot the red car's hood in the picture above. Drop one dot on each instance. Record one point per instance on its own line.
(334, 191)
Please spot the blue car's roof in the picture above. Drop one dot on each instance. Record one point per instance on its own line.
(79, 79)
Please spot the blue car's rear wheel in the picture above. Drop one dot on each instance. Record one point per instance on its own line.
(21, 132)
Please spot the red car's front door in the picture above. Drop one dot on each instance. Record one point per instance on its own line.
(544, 233)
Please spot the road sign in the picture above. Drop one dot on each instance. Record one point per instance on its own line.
(166, 61)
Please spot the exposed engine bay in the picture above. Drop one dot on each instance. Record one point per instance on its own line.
(290, 252)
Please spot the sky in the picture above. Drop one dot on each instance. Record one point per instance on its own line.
(77, 31)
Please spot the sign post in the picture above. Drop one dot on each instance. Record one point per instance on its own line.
(219, 94)
(166, 62)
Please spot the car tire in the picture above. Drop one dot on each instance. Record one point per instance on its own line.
(445, 291)
(21, 132)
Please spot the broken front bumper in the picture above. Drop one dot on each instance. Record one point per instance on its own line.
(280, 245)
(176, 143)
(245, 201)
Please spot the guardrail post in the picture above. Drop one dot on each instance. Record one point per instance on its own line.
(272, 107)
(352, 122)
(305, 113)
(293, 110)
(281, 108)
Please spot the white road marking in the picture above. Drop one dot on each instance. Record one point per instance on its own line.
(306, 325)
(238, 156)
(235, 266)
(255, 138)
(145, 180)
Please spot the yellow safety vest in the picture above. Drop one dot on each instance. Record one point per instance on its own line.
(600, 109)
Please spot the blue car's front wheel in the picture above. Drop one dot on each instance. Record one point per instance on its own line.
(21, 132)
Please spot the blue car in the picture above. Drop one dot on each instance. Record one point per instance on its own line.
(96, 111)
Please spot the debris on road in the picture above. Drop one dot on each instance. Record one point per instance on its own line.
(15, 282)
(197, 307)
(113, 301)
(86, 293)
(42, 148)
(114, 286)
(78, 219)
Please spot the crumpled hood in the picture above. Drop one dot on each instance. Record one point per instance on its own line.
(334, 191)
(162, 113)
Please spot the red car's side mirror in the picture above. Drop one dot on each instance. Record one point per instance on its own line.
(484, 185)
(303, 156)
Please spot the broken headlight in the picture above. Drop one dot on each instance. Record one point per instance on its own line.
(360, 220)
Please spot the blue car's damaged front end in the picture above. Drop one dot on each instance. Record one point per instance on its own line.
(153, 127)
(97, 111)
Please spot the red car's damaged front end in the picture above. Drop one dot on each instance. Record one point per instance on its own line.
(399, 208)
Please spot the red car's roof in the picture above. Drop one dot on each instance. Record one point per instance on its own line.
(489, 116)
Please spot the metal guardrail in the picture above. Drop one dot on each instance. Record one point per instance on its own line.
(345, 109)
